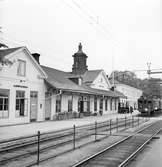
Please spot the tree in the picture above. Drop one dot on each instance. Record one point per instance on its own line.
(150, 87)
(3, 60)
(2, 45)
(126, 77)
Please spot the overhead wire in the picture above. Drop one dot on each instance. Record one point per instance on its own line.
(99, 21)
(154, 69)
(81, 14)
(95, 20)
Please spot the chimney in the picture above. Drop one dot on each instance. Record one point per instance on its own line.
(77, 80)
(36, 57)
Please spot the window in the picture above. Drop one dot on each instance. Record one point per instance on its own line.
(105, 104)
(115, 103)
(4, 96)
(21, 69)
(79, 105)
(21, 104)
(101, 103)
(140, 101)
(86, 105)
(70, 103)
(76, 64)
(95, 103)
(111, 104)
(58, 104)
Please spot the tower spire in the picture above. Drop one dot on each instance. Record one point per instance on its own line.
(80, 61)
(80, 47)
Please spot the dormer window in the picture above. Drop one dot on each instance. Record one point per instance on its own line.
(21, 69)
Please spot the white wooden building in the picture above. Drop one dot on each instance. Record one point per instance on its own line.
(132, 94)
(31, 92)
(80, 91)
(22, 90)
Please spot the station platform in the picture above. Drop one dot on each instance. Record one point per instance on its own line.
(14, 131)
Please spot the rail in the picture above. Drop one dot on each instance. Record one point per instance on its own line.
(73, 138)
(85, 162)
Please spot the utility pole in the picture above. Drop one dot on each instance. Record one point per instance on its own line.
(149, 72)
(149, 69)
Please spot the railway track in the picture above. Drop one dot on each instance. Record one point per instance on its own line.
(122, 152)
(26, 147)
(17, 143)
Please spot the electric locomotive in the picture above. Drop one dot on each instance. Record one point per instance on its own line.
(149, 105)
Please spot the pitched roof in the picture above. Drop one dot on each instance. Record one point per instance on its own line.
(5, 52)
(109, 93)
(120, 83)
(60, 80)
(119, 94)
(115, 81)
(57, 75)
(90, 75)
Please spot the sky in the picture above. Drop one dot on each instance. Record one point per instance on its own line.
(115, 34)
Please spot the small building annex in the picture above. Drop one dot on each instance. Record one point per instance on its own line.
(31, 92)
(131, 93)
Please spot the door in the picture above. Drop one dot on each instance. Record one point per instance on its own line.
(80, 106)
(33, 105)
(47, 108)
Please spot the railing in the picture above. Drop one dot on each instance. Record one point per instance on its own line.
(74, 137)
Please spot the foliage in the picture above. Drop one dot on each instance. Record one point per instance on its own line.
(4, 61)
(2, 45)
(149, 86)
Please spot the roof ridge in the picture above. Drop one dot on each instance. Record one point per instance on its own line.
(12, 48)
(94, 70)
(5, 52)
(54, 69)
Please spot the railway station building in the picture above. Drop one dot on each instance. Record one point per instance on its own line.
(131, 93)
(31, 92)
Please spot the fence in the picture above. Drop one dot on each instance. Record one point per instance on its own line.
(74, 137)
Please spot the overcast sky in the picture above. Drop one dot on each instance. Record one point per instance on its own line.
(130, 31)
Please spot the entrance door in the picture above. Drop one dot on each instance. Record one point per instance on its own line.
(81, 106)
(47, 108)
(33, 105)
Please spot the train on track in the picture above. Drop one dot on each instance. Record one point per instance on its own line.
(148, 105)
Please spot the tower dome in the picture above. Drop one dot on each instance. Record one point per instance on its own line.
(80, 61)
